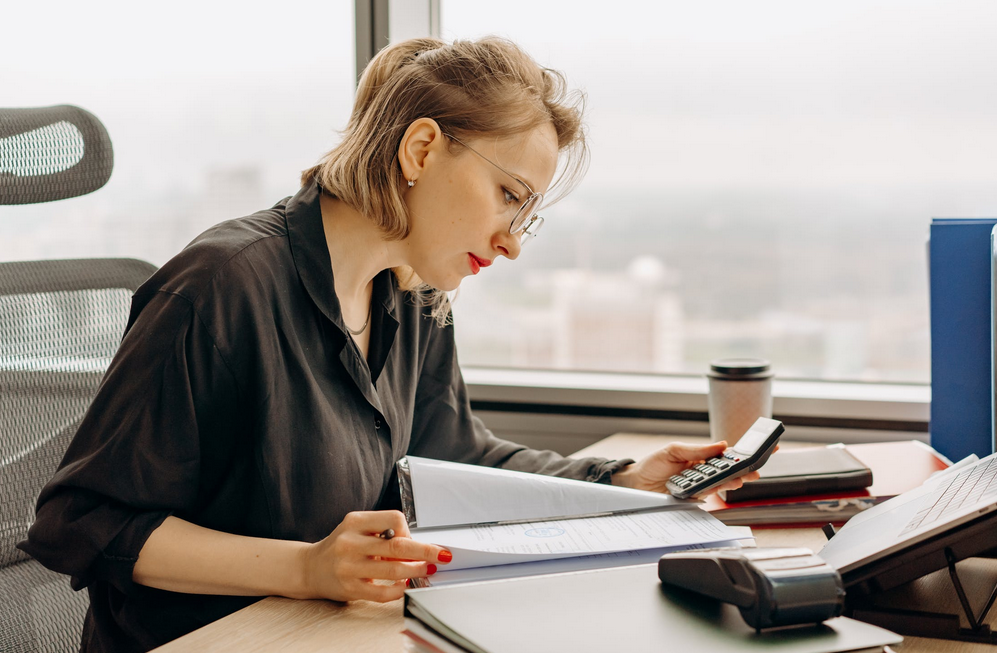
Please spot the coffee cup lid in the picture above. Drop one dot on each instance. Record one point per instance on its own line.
(741, 368)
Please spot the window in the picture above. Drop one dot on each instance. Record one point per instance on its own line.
(763, 176)
(213, 109)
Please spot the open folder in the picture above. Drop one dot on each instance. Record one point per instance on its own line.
(500, 523)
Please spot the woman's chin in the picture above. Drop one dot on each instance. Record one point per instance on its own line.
(451, 286)
(446, 283)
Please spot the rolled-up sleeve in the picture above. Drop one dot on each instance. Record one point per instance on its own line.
(445, 428)
(138, 454)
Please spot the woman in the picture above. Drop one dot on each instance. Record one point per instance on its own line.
(243, 441)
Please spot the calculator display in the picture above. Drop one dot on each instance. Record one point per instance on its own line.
(750, 441)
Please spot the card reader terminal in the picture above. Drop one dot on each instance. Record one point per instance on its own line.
(771, 586)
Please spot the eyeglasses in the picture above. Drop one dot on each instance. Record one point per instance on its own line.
(526, 221)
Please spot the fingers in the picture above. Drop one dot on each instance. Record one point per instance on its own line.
(375, 522)
(363, 553)
(371, 591)
(685, 452)
(398, 547)
(404, 548)
(393, 570)
(732, 484)
(735, 483)
(356, 562)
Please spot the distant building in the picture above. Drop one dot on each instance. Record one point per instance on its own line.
(618, 321)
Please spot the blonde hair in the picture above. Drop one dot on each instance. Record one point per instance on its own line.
(470, 88)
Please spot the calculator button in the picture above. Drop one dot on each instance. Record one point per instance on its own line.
(722, 464)
(677, 479)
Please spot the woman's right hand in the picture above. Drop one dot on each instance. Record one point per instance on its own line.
(354, 562)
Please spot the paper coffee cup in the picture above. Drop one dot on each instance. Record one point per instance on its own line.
(740, 393)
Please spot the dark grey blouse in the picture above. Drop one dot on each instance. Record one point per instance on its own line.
(237, 402)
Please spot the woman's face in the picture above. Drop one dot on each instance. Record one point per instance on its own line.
(461, 205)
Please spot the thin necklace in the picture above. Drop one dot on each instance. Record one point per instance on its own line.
(366, 322)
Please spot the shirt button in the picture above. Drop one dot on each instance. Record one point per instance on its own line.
(377, 422)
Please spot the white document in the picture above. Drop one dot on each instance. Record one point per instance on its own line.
(560, 565)
(500, 544)
(447, 494)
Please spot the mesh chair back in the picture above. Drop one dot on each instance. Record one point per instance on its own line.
(51, 153)
(60, 325)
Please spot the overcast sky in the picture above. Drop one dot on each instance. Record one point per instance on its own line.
(771, 93)
(731, 93)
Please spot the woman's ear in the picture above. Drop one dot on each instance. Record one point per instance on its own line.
(420, 142)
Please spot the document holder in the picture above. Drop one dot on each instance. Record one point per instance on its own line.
(977, 538)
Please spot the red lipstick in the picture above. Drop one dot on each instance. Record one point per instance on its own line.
(477, 263)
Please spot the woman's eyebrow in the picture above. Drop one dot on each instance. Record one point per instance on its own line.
(529, 186)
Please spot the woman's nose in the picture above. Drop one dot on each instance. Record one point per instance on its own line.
(508, 244)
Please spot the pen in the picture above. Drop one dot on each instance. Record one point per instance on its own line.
(386, 534)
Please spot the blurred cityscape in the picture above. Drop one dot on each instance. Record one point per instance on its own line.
(666, 283)
(662, 282)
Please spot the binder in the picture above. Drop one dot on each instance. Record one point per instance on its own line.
(960, 295)
(501, 523)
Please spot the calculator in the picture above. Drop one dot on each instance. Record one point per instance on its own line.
(750, 453)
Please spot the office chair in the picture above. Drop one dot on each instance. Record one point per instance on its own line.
(51, 153)
(60, 325)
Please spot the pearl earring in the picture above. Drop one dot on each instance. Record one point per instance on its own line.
(411, 183)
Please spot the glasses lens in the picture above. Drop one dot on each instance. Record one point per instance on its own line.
(526, 211)
(532, 227)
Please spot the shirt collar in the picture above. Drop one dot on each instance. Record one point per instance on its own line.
(311, 258)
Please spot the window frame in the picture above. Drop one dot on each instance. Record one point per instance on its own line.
(555, 402)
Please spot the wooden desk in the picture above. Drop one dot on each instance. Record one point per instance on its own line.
(312, 626)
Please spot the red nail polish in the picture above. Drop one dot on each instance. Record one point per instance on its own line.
(408, 582)
(445, 556)
(430, 569)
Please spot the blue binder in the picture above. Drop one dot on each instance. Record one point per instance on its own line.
(961, 360)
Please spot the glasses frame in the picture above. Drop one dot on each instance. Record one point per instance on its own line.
(530, 224)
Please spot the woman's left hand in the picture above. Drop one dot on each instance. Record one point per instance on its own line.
(651, 473)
